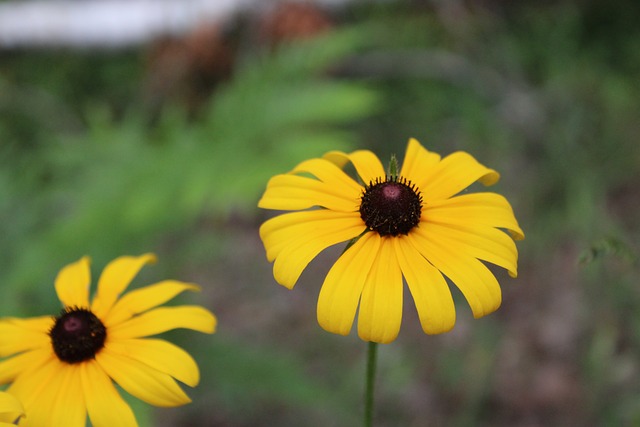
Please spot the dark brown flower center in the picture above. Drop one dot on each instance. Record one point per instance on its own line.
(77, 335)
(391, 207)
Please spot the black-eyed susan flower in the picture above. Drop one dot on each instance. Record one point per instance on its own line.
(414, 223)
(10, 409)
(63, 368)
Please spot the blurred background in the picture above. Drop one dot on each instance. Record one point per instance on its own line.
(132, 127)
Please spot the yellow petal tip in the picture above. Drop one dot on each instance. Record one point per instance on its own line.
(150, 258)
(490, 178)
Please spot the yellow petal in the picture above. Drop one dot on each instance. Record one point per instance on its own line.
(475, 281)
(428, 288)
(293, 192)
(380, 311)
(276, 232)
(142, 381)
(36, 390)
(164, 319)
(341, 290)
(72, 283)
(10, 407)
(488, 209)
(114, 279)
(143, 299)
(161, 355)
(34, 324)
(67, 398)
(485, 243)
(105, 406)
(11, 368)
(295, 239)
(418, 160)
(17, 335)
(330, 174)
(366, 163)
(453, 174)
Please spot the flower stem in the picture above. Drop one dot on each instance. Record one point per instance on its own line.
(372, 354)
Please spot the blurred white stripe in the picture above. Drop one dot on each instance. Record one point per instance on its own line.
(107, 23)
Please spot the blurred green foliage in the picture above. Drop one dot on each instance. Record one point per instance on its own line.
(546, 94)
(110, 185)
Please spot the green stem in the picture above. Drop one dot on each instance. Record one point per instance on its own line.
(372, 353)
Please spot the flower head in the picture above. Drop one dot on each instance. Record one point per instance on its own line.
(414, 223)
(62, 368)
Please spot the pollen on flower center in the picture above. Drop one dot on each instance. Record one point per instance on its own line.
(77, 335)
(391, 207)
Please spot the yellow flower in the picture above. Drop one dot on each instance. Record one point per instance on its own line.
(10, 409)
(61, 368)
(414, 224)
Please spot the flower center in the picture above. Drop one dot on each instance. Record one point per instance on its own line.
(77, 335)
(391, 207)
